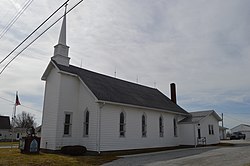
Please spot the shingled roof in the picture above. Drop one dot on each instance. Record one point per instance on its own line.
(4, 122)
(106, 88)
(199, 115)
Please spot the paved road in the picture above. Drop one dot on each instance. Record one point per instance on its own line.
(229, 156)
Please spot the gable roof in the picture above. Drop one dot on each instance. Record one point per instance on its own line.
(109, 89)
(222, 128)
(241, 126)
(199, 115)
(4, 122)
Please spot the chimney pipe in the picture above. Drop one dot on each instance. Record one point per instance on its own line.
(173, 92)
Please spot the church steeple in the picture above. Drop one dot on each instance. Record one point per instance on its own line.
(61, 50)
(62, 37)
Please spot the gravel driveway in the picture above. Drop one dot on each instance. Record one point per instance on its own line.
(237, 155)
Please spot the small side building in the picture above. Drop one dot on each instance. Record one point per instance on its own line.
(204, 126)
(19, 132)
(243, 128)
(5, 128)
(223, 132)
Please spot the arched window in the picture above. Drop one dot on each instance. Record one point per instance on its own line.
(86, 123)
(175, 127)
(144, 125)
(122, 124)
(161, 127)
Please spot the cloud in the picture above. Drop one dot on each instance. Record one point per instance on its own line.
(203, 46)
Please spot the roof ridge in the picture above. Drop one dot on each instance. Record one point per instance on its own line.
(203, 111)
(119, 79)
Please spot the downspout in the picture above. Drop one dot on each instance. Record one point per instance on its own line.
(101, 105)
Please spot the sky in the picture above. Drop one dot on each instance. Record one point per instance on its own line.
(202, 46)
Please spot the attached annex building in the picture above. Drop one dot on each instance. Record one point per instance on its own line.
(103, 113)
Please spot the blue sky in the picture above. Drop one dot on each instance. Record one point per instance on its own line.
(202, 46)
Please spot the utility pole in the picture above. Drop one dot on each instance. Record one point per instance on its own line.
(222, 120)
(222, 125)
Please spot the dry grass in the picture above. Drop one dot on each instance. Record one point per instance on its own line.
(8, 143)
(9, 157)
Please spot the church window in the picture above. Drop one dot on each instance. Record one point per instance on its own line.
(144, 126)
(161, 129)
(122, 124)
(175, 127)
(67, 124)
(86, 123)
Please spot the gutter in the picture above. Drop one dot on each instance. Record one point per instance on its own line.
(141, 107)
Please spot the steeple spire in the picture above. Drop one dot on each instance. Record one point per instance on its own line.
(61, 50)
(62, 37)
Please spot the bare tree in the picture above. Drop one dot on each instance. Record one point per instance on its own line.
(25, 120)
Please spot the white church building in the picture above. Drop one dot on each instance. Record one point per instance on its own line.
(103, 113)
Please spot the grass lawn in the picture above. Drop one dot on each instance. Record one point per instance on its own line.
(8, 143)
(9, 157)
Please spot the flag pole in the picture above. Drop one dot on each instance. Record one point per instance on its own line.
(17, 102)
(13, 124)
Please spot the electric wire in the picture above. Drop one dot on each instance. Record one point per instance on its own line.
(20, 105)
(235, 119)
(33, 32)
(15, 18)
(39, 36)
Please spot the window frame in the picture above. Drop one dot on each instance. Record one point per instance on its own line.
(161, 126)
(68, 124)
(211, 129)
(175, 127)
(144, 125)
(122, 125)
(86, 123)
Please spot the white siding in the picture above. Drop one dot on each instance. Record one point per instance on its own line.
(247, 134)
(111, 140)
(71, 96)
(50, 110)
(214, 138)
(5, 134)
(86, 101)
(188, 134)
(69, 89)
(66, 93)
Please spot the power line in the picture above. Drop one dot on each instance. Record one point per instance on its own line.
(236, 119)
(38, 37)
(6, 99)
(33, 32)
(20, 105)
(15, 18)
